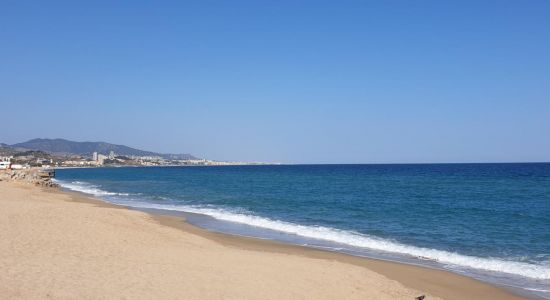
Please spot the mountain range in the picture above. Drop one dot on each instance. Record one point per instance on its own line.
(64, 147)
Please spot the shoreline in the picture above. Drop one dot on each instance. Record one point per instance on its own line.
(433, 282)
(407, 274)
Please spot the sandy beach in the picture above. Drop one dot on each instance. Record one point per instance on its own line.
(62, 245)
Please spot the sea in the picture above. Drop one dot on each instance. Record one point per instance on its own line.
(486, 221)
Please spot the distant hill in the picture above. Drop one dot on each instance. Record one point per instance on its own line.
(62, 146)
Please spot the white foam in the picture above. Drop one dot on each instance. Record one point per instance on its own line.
(87, 188)
(344, 237)
(537, 290)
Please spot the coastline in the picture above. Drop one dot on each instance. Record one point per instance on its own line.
(288, 268)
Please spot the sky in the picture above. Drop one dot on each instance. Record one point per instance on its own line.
(283, 81)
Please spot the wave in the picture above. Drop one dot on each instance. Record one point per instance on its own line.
(343, 237)
(87, 188)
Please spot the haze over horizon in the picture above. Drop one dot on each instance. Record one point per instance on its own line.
(291, 82)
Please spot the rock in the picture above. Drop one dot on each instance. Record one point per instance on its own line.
(29, 176)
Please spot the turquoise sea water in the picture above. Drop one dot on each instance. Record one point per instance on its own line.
(488, 221)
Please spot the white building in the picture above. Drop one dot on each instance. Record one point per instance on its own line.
(5, 162)
(112, 154)
(101, 159)
(94, 156)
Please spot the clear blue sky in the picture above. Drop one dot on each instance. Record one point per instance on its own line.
(287, 81)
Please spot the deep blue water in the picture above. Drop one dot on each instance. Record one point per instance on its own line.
(490, 221)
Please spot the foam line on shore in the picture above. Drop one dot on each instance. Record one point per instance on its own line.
(87, 188)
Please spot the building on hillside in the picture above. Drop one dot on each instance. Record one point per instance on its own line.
(98, 158)
(5, 162)
(112, 154)
(44, 161)
(101, 159)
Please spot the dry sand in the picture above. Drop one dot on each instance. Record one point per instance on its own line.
(65, 246)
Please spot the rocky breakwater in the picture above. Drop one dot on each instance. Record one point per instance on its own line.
(38, 177)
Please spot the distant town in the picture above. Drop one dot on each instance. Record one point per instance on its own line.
(30, 159)
(35, 154)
